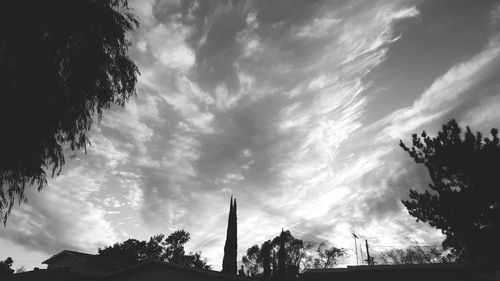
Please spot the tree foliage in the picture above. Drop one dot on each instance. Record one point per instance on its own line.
(281, 274)
(299, 256)
(414, 254)
(253, 260)
(6, 267)
(20, 269)
(167, 249)
(328, 257)
(62, 62)
(463, 199)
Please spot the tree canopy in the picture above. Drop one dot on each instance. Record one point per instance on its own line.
(327, 257)
(463, 199)
(167, 249)
(6, 267)
(414, 254)
(62, 62)
(299, 255)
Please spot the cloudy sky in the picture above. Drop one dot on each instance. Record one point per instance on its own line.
(294, 107)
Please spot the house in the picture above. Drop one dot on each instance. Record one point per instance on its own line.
(82, 263)
(77, 266)
(56, 274)
(157, 270)
(407, 272)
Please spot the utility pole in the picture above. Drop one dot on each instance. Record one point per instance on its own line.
(361, 250)
(355, 246)
(368, 258)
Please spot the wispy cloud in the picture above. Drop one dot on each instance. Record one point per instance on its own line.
(64, 217)
(267, 101)
(444, 95)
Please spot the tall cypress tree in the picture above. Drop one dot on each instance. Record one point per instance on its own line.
(234, 240)
(229, 264)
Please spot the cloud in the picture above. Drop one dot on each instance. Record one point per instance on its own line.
(167, 44)
(485, 115)
(446, 93)
(112, 202)
(318, 28)
(63, 216)
(405, 13)
(271, 102)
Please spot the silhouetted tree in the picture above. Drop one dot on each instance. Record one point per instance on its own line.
(6, 267)
(413, 255)
(463, 200)
(259, 259)
(229, 263)
(129, 252)
(253, 259)
(300, 255)
(298, 252)
(61, 63)
(328, 257)
(275, 264)
(194, 260)
(174, 245)
(20, 269)
(266, 257)
(169, 249)
(281, 274)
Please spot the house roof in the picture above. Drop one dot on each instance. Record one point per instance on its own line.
(465, 271)
(57, 274)
(395, 267)
(149, 264)
(84, 257)
(120, 270)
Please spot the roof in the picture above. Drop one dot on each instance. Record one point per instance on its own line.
(120, 270)
(428, 272)
(396, 267)
(57, 274)
(149, 264)
(84, 257)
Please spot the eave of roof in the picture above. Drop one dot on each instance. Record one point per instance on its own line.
(56, 256)
(88, 259)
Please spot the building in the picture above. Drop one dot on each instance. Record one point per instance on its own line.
(82, 263)
(77, 266)
(156, 271)
(56, 274)
(407, 272)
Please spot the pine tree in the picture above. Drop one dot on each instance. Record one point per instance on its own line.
(229, 264)
(462, 199)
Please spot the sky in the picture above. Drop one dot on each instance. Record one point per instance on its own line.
(294, 107)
